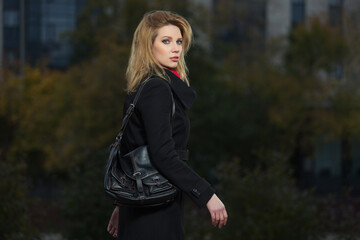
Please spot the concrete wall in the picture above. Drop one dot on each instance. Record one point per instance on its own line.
(350, 5)
(278, 18)
(278, 14)
(318, 8)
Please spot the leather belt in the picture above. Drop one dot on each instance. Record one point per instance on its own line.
(183, 154)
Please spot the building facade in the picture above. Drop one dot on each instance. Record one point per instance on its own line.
(33, 30)
(283, 15)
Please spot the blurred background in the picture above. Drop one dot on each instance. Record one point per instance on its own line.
(275, 128)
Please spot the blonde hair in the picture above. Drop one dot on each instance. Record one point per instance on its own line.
(142, 63)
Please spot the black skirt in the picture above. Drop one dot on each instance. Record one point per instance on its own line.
(154, 223)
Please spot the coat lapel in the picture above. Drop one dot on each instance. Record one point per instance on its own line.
(185, 94)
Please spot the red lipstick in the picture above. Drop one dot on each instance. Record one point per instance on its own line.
(174, 59)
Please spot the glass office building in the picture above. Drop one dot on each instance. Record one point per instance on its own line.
(44, 23)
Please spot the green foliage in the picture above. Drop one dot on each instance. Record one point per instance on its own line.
(14, 209)
(85, 206)
(262, 204)
(268, 203)
(98, 19)
(339, 216)
(246, 111)
(315, 47)
(15, 201)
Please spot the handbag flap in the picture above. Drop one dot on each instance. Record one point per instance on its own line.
(137, 162)
(156, 179)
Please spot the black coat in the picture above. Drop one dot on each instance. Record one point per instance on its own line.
(151, 124)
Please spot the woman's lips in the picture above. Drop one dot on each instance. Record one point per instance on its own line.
(174, 59)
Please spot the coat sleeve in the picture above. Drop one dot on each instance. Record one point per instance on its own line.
(155, 107)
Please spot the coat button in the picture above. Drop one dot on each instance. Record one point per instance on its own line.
(196, 192)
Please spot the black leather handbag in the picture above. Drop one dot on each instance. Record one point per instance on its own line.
(131, 179)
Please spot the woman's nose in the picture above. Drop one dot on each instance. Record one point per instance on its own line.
(175, 47)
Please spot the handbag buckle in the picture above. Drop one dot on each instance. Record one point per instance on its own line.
(156, 180)
(130, 109)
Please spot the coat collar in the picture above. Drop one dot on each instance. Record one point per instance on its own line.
(183, 92)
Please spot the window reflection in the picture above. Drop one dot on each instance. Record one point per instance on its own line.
(297, 12)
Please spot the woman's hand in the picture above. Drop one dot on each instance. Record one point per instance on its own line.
(217, 211)
(113, 223)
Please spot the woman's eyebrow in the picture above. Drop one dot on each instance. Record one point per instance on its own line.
(171, 37)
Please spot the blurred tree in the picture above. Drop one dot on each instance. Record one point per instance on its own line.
(267, 205)
(238, 26)
(85, 206)
(15, 221)
(246, 110)
(315, 47)
(267, 202)
(97, 20)
(14, 209)
(316, 57)
(351, 32)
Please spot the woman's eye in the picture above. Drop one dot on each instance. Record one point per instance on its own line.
(165, 41)
(179, 42)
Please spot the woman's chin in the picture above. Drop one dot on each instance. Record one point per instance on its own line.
(173, 65)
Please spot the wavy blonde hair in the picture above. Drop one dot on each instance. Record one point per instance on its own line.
(142, 63)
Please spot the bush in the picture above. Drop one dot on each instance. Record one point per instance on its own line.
(262, 203)
(14, 217)
(86, 209)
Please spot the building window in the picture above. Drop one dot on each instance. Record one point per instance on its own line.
(11, 19)
(33, 32)
(11, 37)
(297, 12)
(10, 59)
(335, 11)
(50, 33)
(328, 159)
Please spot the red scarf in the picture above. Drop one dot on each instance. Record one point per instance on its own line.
(174, 72)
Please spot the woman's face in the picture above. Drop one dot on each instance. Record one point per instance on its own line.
(167, 46)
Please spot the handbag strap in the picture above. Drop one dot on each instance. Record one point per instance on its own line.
(131, 108)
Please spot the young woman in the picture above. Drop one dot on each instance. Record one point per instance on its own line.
(160, 42)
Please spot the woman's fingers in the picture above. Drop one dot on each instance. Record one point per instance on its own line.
(213, 218)
(226, 217)
(222, 219)
(111, 229)
(218, 218)
(217, 211)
